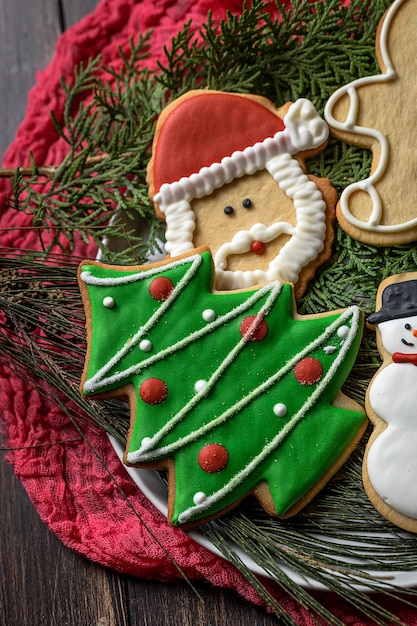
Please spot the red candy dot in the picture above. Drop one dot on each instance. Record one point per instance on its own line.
(153, 391)
(258, 247)
(308, 371)
(161, 288)
(253, 331)
(213, 458)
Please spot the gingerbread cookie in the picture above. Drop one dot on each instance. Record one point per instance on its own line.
(228, 171)
(378, 113)
(232, 392)
(390, 463)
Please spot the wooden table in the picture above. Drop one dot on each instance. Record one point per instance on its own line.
(41, 582)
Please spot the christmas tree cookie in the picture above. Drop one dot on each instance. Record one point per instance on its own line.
(232, 392)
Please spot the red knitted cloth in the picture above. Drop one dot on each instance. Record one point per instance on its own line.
(67, 484)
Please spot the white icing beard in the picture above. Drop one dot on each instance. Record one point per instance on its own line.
(307, 236)
(242, 243)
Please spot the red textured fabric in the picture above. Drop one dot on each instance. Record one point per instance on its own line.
(68, 484)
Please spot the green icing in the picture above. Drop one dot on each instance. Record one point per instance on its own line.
(244, 381)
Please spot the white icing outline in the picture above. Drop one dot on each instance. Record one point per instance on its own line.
(349, 125)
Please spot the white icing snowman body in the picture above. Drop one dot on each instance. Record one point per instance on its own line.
(392, 457)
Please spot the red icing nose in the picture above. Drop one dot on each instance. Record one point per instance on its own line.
(258, 247)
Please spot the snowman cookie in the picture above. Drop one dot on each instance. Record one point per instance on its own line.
(378, 113)
(228, 171)
(390, 463)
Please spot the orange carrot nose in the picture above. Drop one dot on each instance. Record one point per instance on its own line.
(414, 333)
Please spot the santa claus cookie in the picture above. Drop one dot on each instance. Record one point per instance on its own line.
(228, 171)
(232, 392)
(390, 464)
(379, 112)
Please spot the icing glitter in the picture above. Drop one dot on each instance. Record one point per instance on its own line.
(213, 458)
(209, 315)
(161, 288)
(108, 302)
(145, 345)
(153, 391)
(280, 409)
(329, 349)
(308, 371)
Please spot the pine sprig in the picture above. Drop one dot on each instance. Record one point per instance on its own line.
(108, 139)
(109, 117)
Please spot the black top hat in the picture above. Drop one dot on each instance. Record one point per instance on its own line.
(398, 300)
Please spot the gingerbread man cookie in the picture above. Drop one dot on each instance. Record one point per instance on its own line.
(228, 171)
(390, 464)
(378, 112)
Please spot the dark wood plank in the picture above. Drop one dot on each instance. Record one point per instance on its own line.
(42, 582)
(74, 10)
(28, 31)
(165, 605)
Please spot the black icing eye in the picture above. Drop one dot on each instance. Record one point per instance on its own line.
(228, 210)
(247, 203)
(407, 326)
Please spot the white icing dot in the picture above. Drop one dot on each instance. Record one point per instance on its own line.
(145, 345)
(108, 302)
(329, 349)
(199, 497)
(200, 386)
(209, 315)
(146, 443)
(343, 332)
(280, 409)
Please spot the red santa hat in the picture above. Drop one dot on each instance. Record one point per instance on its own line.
(205, 139)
